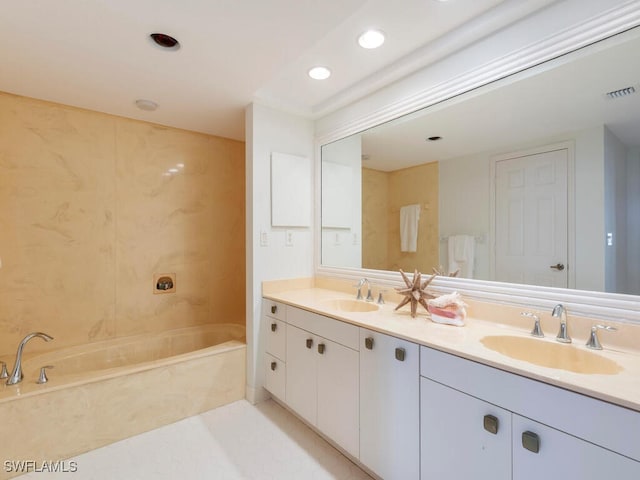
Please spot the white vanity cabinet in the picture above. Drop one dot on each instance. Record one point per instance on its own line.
(275, 362)
(542, 431)
(322, 375)
(389, 406)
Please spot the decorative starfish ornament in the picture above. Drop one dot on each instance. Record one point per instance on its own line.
(443, 273)
(415, 291)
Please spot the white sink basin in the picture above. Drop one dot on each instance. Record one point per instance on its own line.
(349, 305)
(550, 354)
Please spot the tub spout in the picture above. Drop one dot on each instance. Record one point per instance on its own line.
(16, 375)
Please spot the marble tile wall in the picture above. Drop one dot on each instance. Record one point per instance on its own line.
(88, 215)
(383, 194)
(375, 219)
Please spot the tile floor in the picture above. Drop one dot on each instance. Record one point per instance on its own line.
(233, 442)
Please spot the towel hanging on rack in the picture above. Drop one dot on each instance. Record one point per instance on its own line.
(462, 254)
(409, 218)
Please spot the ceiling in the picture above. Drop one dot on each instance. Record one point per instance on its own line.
(97, 55)
(537, 104)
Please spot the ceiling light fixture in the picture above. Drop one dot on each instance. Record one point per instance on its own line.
(164, 41)
(319, 73)
(371, 39)
(146, 105)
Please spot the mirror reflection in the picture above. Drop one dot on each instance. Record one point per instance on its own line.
(531, 180)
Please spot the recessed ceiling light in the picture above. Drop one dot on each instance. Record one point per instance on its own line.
(146, 105)
(319, 73)
(435, 138)
(164, 41)
(371, 39)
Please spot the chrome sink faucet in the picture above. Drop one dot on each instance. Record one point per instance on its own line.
(16, 375)
(560, 312)
(359, 285)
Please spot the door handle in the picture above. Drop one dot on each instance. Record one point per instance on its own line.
(557, 266)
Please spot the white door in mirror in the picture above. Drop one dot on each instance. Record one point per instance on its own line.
(531, 219)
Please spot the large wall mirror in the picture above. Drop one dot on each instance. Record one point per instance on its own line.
(531, 180)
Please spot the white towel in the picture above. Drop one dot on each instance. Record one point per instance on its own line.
(462, 254)
(409, 218)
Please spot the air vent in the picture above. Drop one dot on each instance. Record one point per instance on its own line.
(623, 92)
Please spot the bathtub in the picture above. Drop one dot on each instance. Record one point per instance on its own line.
(106, 391)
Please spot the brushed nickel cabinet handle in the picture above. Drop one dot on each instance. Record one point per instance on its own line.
(531, 441)
(309, 342)
(400, 354)
(321, 348)
(491, 424)
(368, 343)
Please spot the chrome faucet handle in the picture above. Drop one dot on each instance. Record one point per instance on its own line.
(537, 331)
(43, 375)
(593, 341)
(380, 299)
(3, 372)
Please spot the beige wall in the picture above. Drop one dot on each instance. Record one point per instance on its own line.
(87, 217)
(387, 192)
(375, 219)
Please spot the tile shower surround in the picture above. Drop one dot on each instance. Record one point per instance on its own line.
(87, 217)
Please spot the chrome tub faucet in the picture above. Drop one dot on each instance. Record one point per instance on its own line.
(16, 375)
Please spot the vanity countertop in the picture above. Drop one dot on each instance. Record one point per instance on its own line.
(622, 388)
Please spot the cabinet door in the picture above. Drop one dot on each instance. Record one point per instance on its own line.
(275, 376)
(338, 394)
(564, 456)
(389, 406)
(455, 438)
(301, 373)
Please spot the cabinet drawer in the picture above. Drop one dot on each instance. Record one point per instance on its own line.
(275, 334)
(329, 328)
(275, 376)
(273, 309)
